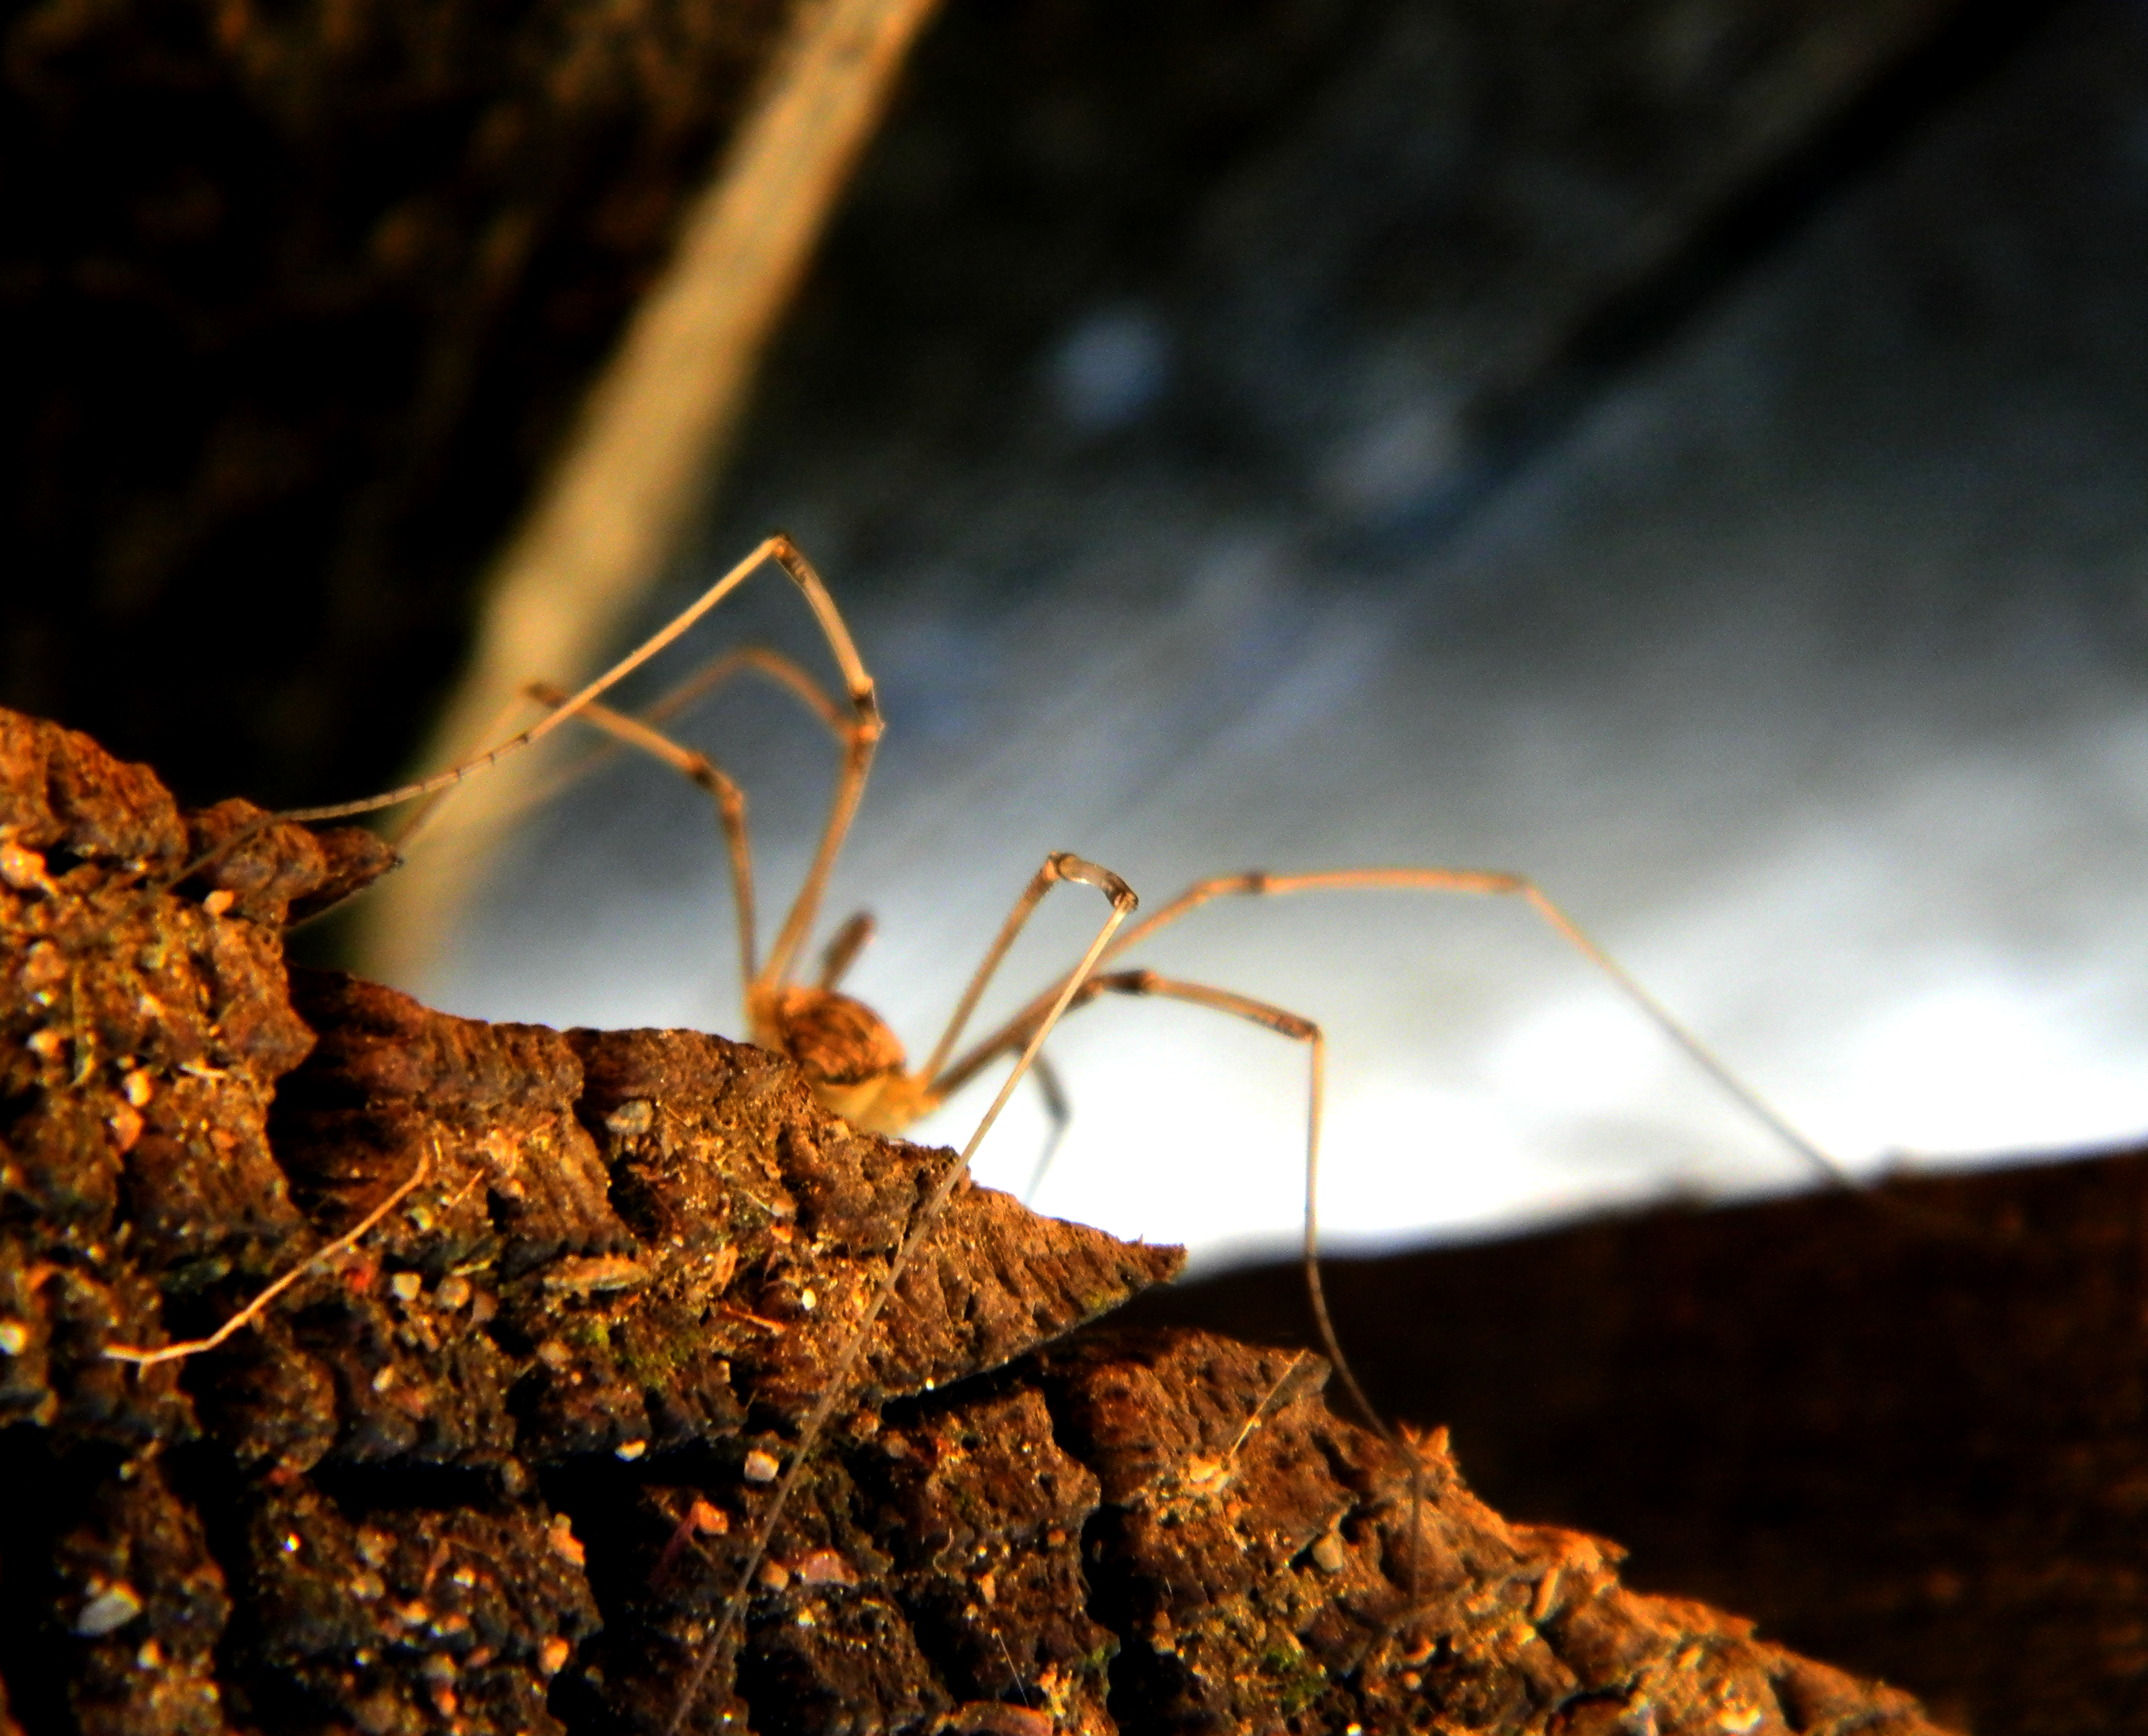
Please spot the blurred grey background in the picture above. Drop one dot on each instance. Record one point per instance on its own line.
(1704, 474)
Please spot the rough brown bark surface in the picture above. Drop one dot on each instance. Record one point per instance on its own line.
(1908, 1429)
(499, 1465)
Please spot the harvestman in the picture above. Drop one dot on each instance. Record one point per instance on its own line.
(852, 1061)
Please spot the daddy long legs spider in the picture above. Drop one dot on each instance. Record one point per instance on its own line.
(848, 1054)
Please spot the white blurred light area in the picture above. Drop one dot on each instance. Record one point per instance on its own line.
(1906, 989)
(1805, 670)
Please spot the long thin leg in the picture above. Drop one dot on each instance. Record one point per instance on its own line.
(1059, 1112)
(1471, 881)
(863, 733)
(747, 659)
(1057, 867)
(842, 951)
(751, 659)
(1302, 1030)
(775, 548)
(700, 770)
(995, 954)
(1298, 1029)
(427, 810)
(861, 737)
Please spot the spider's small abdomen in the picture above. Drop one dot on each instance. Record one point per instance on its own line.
(834, 1041)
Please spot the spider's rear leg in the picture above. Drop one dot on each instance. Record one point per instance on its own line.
(777, 549)
(1299, 1028)
(843, 949)
(700, 770)
(772, 665)
(1059, 866)
(860, 733)
(1471, 882)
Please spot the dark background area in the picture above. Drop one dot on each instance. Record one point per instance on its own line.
(295, 300)
(300, 299)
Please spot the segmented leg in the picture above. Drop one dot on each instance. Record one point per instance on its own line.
(1298, 1029)
(859, 732)
(1474, 882)
(763, 661)
(778, 549)
(701, 770)
(1057, 868)
(842, 949)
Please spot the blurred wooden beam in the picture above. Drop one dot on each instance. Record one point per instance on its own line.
(655, 425)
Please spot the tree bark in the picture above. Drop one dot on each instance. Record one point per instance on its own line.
(497, 1464)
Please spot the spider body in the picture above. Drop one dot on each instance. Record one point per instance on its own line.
(854, 1064)
(852, 1061)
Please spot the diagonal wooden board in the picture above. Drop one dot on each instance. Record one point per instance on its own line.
(656, 421)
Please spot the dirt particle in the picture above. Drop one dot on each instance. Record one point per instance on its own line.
(110, 1610)
(594, 1273)
(632, 1118)
(24, 870)
(823, 1567)
(564, 1544)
